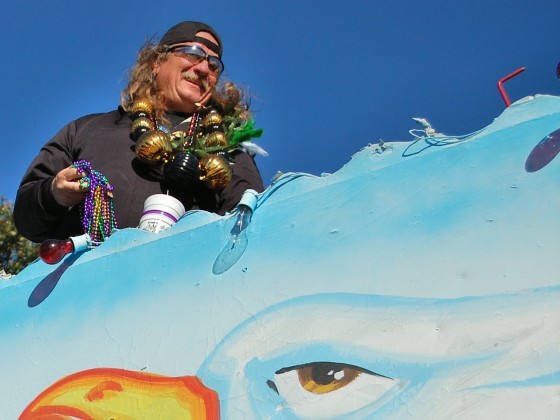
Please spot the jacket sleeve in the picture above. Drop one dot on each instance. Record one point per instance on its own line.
(245, 175)
(36, 213)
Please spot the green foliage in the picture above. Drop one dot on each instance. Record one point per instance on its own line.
(16, 252)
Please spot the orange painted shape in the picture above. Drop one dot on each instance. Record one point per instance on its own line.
(98, 391)
(105, 392)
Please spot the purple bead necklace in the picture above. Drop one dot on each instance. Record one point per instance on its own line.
(98, 213)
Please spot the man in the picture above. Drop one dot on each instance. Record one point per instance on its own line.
(171, 97)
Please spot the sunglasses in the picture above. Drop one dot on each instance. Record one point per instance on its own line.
(195, 55)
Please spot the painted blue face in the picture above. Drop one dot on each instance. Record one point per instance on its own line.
(364, 356)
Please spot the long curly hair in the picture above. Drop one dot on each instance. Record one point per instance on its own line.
(227, 98)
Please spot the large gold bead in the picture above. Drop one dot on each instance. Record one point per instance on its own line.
(153, 147)
(215, 172)
(141, 124)
(212, 118)
(216, 138)
(142, 105)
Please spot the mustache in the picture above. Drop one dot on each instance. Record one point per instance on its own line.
(193, 78)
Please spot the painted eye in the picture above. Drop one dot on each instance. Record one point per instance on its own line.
(320, 377)
(325, 387)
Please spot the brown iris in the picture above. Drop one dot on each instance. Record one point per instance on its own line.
(324, 377)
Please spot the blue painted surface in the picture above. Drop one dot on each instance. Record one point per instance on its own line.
(433, 266)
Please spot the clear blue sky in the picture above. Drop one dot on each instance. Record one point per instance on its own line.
(326, 77)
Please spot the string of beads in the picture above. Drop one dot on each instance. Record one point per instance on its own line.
(199, 155)
(98, 213)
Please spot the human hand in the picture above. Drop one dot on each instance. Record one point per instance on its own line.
(66, 188)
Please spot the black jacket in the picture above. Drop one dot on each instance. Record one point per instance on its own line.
(104, 140)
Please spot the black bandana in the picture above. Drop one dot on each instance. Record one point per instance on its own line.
(186, 32)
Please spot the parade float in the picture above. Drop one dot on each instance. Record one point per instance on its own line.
(421, 280)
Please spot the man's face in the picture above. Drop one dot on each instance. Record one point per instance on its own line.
(183, 83)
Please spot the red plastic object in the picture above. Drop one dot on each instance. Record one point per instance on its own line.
(504, 79)
(52, 251)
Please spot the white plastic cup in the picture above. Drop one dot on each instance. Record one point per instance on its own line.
(160, 212)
